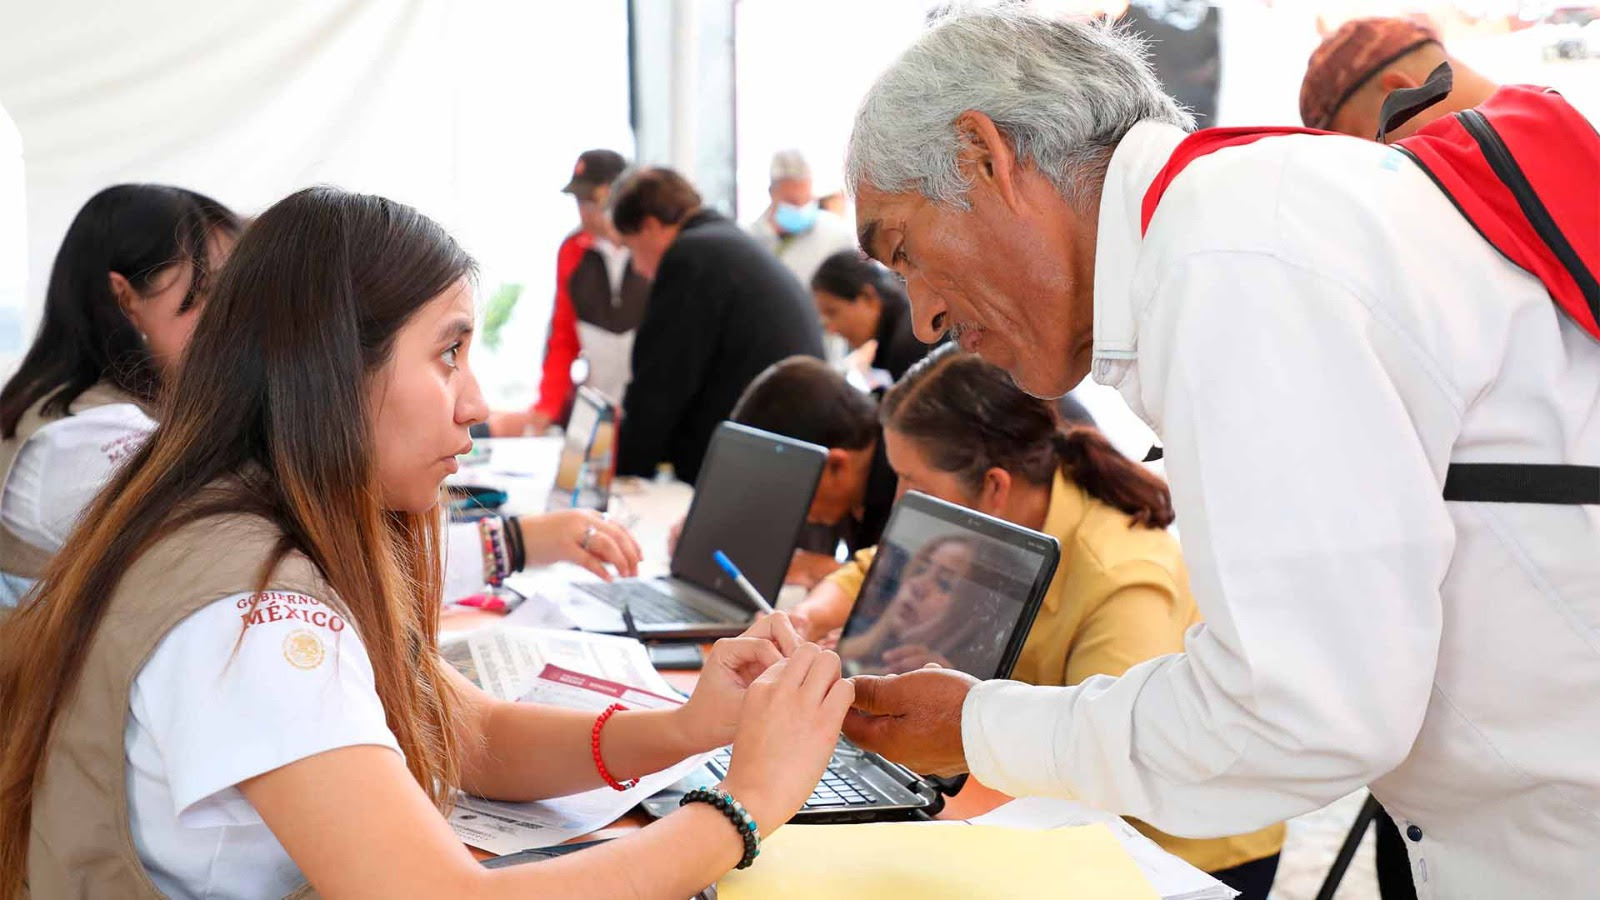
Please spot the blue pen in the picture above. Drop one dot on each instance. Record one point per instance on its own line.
(744, 584)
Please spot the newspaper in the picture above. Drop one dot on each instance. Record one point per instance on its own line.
(506, 661)
(503, 828)
(1170, 876)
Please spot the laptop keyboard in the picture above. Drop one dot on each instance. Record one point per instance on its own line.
(838, 788)
(647, 605)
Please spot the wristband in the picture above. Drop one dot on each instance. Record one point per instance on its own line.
(594, 745)
(737, 815)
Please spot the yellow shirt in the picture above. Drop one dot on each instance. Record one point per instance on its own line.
(1120, 596)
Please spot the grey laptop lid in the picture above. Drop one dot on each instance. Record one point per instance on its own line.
(750, 501)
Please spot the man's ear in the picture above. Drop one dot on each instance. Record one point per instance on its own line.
(1395, 79)
(838, 460)
(986, 156)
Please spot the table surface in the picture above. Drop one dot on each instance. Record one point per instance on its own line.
(525, 468)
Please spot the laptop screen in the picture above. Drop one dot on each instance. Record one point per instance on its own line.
(583, 476)
(948, 586)
(749, 502)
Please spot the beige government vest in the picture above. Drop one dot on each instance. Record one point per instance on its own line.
(17, 556)
(81, 844)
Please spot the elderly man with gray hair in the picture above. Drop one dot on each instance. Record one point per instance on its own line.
(1317, 334)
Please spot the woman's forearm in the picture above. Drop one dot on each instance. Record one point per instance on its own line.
(530, 752)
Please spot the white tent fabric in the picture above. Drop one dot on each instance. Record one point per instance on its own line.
(472, 111)
(13, 243)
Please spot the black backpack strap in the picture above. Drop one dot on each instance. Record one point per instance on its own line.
(1509, 483)
(1403, 105)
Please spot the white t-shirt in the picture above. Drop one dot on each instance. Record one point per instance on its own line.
(59, 471)
(804, 253)
(212, 708)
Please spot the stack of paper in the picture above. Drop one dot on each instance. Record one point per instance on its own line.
(567, 669)
(936, 862)
(1171, 877)
(507, 660)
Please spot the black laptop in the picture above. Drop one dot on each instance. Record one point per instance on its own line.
(751, 498)
(950, 586)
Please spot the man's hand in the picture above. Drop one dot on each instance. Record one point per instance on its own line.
(913, 719)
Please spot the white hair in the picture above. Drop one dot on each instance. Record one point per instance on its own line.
(1063, 92)
(789, 165)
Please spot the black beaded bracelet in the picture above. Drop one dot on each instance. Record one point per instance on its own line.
(518, 550)
(736, 814)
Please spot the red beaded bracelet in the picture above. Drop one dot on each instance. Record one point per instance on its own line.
(594, 745)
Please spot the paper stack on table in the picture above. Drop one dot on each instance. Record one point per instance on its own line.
(937, 862)
(567, 669)
(507, 660)
(1171, 877)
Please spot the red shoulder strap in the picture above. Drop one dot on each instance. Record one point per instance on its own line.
(1197, 145)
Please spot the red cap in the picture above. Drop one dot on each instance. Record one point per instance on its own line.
(1360, 49)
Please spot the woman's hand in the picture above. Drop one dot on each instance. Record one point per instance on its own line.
(711, 716)
(581, 536)
(807, 569)
(786, 735)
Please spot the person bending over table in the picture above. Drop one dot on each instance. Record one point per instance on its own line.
(1121, 593)
(228, 683)
(802, 398)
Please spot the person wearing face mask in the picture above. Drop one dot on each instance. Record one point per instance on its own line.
(1121, 594)
(600, 301)
(123, 297)
(794, 226)
(228, 684)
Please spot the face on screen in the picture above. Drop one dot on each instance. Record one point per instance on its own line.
(927, 592)
(936, 597)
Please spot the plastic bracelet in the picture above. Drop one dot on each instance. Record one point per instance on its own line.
(519, 550)
(736, 813)
(594, 745)
(496, 559)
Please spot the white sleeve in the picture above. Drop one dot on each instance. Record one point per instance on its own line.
(463, 561)
(232, 693)
(1316, 540)
(58, 472)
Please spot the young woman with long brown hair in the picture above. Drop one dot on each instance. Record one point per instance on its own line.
(228, 684)
(958, 428)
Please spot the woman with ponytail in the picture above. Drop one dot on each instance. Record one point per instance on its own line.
(957, 428)
(228, 684)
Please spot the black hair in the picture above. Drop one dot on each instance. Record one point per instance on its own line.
(657, 193)
(968, 416)
(846, 273)
(802, 398)
(137, 231)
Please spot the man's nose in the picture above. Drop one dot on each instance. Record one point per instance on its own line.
(929, 316)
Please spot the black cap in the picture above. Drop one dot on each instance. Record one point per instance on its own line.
(595, 168)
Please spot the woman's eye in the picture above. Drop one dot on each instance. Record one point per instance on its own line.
(450, 356)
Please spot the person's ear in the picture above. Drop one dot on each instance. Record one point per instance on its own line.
(838, 462)
(985, 156)
(995, 492)
(127, 300)
(1395, 79)
(869, 295)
